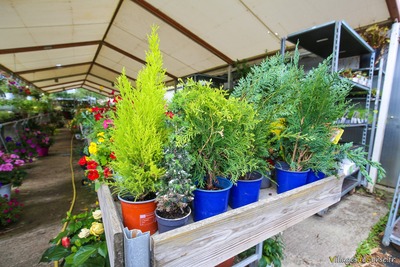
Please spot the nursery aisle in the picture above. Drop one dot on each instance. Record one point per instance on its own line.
(46, 194)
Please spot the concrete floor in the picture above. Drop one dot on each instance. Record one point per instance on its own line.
(338, 233)
(46, 194)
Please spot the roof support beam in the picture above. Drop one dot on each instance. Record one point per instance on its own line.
(58, 84)
(101, 78)
(52, 68)
(393, 8)
(90, 88)
(111, 70)
(173, 23)
(100, 85)
(46, 47)
(123, 52)
(105, 35)
(58, 77)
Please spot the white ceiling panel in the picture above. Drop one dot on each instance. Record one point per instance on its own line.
(231, 28)
(45, 58)
(305, 14)
(57, 72)
(117, 61)
(195, 36)
(129, 32)
(60, 80)
(70, 84)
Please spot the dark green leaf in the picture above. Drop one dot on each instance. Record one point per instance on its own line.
(94, 262)
(103, 249)
(58, 237)
(83, 254)
(54, 253)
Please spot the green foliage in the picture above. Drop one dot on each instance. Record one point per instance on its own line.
(6, 116)
(87, 242)
(272, 252)
(176, 187)
(271, 88)
(359, 157)
(139, 132)
(376, 36)
(373, 239)
(296, 110)
(305, 141)
(9, 210)
(219, 132)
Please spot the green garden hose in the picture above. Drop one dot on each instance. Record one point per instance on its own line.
(73, 188)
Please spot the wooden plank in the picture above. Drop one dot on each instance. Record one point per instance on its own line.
(213, 240)
(112, 226)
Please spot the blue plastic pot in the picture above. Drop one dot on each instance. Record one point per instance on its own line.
(288, 180)
(245, 191)
(208, 203)
(315, 176)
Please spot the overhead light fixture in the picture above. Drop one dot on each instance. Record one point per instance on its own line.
(58, 65)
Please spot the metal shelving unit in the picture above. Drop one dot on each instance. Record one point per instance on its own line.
(338, 39)
(392, 231)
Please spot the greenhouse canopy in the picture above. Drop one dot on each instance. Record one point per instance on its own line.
(57, 45)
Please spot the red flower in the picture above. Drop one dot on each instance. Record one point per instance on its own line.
(107, 172)
(112, 156)
(91, 164)
(93, 175)
(66, 242)
(117, 98)
(97, 116)
(95, 109)
(169, 114)
(82, 161)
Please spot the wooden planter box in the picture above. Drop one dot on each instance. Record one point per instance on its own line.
(213, 240)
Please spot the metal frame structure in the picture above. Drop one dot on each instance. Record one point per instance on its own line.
(391, 235)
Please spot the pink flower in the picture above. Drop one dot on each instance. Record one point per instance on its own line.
(13, 156)
(16, 191)
(19, 162)
(6, 167)
(106, 123)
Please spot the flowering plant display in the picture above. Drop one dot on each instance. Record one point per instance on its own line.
(26, 151)
(99, 157)
(42, 139)
(9, 210)
(83, 243)
(10, 171)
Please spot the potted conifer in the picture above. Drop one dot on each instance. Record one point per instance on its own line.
(138, 138)
(219, 133)
(297, 111)
(175, 191)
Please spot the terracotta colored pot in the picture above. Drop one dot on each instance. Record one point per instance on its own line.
(139, 215)
(227, 263)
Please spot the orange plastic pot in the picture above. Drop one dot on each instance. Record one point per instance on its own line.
(139, 215)
(228, 263)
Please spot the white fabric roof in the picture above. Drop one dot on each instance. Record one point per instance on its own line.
(93, 40)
